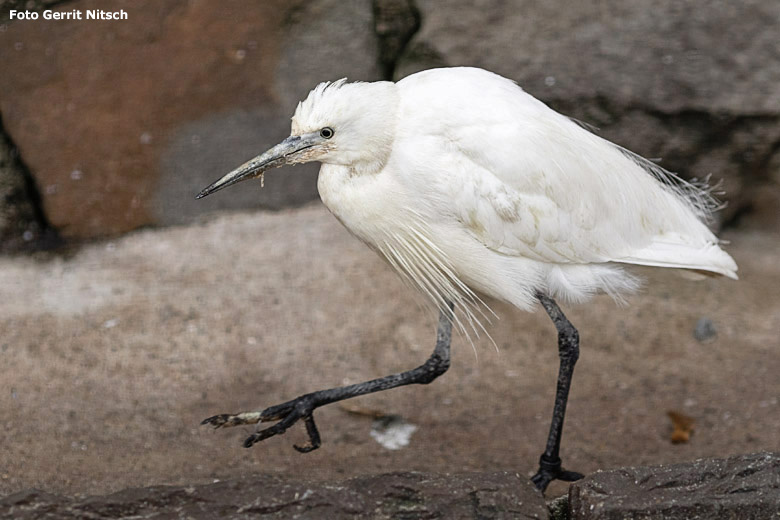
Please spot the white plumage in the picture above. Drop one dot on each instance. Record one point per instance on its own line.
(465, 183)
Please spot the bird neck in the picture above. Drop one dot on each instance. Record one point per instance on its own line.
(368, 167)
(373, 134)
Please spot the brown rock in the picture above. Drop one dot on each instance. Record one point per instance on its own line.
(7, 5)
(318, 41)
(91, 104)
(122, 122)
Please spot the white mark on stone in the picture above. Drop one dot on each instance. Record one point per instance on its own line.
(113, 322)
(392, 432)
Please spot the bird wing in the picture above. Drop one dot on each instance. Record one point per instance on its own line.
(572, 197)
(527, 181)
(528, 223)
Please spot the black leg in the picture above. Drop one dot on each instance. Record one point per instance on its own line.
(303, 407)
(568, 350)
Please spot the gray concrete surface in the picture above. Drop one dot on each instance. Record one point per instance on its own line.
(111, 355)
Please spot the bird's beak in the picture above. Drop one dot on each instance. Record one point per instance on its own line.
(281, 154)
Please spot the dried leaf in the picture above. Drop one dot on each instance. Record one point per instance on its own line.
(683, 427)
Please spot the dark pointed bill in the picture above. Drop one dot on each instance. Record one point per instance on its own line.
(276, 156)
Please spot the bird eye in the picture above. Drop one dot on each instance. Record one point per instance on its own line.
(327, 132)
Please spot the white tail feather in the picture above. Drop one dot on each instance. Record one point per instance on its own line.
(683, 256)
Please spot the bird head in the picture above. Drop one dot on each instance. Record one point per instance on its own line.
(348, 124)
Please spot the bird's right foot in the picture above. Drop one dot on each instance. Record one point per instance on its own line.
(287, 414)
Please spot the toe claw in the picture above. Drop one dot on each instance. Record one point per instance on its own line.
(217, 421)
(226, 420)
(313, 433)
(570, 476)
(541, 480)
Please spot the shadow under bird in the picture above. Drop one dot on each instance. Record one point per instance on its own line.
(469, 186)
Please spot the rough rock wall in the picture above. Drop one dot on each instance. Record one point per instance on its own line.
(121, 122)
(696, 84)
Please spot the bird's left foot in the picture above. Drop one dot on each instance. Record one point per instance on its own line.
(552, 470)
(287, 414)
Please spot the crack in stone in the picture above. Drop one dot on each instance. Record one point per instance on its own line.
(23, 222)
(395, 23)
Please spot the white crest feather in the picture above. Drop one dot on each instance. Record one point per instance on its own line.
(305, 108)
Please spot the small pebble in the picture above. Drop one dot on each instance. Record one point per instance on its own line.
(705, 330)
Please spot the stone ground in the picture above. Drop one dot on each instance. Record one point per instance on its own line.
(386, 496)
(743, 486)
(112, 354)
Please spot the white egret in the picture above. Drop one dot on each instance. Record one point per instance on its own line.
(467, 185)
